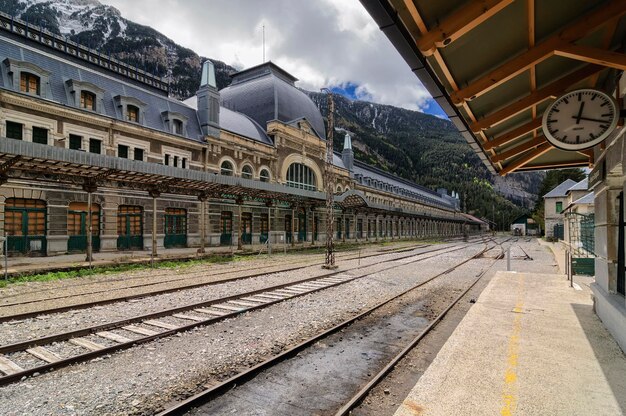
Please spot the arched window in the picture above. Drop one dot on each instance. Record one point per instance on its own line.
(226, 168)
(264, 175)
(132, 113)
(178, 126)
(246, 172)
(339, 190)
(301, 176)
(30, 83)
(88, 100)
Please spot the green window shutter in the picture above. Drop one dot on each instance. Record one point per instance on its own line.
(559, 207)
(40, 135)
(75, 142)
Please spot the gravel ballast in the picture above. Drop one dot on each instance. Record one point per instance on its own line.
(145, 378)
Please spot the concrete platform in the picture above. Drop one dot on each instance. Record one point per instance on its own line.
(531, 345)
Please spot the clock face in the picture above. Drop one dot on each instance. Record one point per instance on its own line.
(580, 119)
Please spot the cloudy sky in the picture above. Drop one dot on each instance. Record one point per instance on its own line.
(322, 42)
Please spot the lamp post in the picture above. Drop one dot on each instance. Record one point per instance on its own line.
(328, 181)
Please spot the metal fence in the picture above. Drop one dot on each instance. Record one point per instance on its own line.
(580, 238)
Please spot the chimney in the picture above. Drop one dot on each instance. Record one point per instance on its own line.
(347, 155)
(209, 101)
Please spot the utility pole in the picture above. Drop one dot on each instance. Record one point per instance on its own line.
(329, 181)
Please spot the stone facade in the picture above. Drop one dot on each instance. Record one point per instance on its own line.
(610, 279)
(124, 218)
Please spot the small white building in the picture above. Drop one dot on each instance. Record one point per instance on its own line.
(554, 202)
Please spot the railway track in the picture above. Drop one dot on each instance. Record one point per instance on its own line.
(4, 317)
(165, 273)
(247, 375)
(104, 339)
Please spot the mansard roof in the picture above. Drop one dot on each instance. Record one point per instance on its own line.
(414, 190)
(62, 70)
(267, 92)
(242, 125)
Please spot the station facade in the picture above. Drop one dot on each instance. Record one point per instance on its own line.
(89, 142)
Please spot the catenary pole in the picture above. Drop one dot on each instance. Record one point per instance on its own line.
(329, 182)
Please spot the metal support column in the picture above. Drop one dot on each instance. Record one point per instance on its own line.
(202, 224)
(89, 187)
(356, 227)
(621, 249)
(89, 230)
(375, 227)
(313, 228)
(294, 234)
(154, 194)
(239, 226)
(269, 228)
(329, 182)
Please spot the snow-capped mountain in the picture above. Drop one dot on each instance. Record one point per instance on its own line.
(411, 144)
(103, 28)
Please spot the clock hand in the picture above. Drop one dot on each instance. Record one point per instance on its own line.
(578, 118)
(580, 113)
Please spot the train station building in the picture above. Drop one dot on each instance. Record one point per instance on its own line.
(542, 56)
(90, 142)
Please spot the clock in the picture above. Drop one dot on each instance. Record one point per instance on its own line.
(580, 119)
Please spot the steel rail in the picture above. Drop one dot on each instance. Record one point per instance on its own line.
(374, 381)
(90, 304)
(218, 389)
(22, 346)
(344, 254)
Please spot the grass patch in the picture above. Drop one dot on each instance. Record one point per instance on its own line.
(114, 269)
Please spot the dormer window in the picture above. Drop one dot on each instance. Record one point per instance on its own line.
(85, 95)
(30, 83)
(26, 77)
(88, 100)
(174, 122)
(130, 109)
(132, 113)
(178, 126)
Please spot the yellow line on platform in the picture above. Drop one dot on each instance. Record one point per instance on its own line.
(509, 390)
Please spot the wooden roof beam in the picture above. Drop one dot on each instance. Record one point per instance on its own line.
(555, 165)
(459, 23)
(513, 134)
(552, 90)
(407, 9)
(593, 56)
(589, 22)
(532, 143)
(526, 159)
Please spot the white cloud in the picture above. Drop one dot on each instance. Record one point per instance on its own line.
(323, 43)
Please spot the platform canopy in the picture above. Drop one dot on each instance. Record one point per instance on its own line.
(495, 65)
(26, 160)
